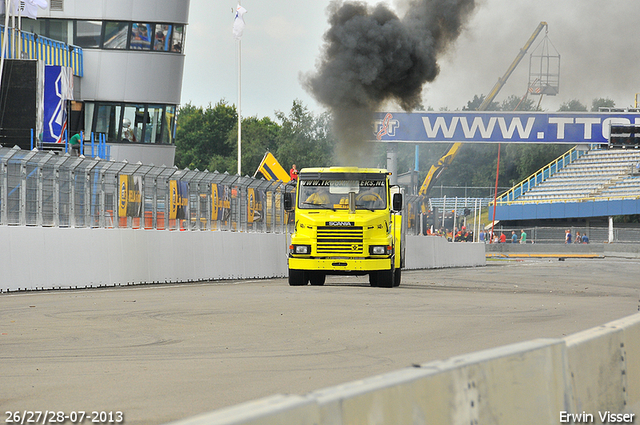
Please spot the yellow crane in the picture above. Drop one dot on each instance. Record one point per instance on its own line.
(445, 161)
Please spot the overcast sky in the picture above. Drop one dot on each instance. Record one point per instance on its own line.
(597, 41)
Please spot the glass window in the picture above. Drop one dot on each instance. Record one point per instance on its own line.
(58, 29)
(177, 39)
(141, 36)
(153, 133)
(162, 41)
(108, 120)
(133, 123)
(168, 130)
(115, 35)
(87, 34)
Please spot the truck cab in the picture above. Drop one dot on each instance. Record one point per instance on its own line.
(347, 222)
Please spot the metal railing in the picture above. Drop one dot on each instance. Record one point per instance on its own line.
(539, 176)
(62, 190)
(34, 46)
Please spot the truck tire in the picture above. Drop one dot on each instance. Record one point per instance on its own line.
(297, 278)
(317, 278)
(397, 277)
(385, 278)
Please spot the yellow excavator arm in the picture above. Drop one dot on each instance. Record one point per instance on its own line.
(443, 163)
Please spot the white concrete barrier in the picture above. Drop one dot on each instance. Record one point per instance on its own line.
(590, 374)
(521, 383)
(274, 410)
(50, 257)
(433, 252)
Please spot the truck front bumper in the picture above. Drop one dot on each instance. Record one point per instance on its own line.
(340, 265)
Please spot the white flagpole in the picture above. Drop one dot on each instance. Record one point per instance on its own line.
(239, 107)
(239, 104)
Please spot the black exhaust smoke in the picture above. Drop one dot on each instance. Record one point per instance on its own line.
(371, 56)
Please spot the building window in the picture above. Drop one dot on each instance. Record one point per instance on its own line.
(107, 120)
(116, 35)
(141, 36)
(178, 38)
(162, 38)
(87, 34)
(131, 123)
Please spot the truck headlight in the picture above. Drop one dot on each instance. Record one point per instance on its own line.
(301, 249)
(380, 249)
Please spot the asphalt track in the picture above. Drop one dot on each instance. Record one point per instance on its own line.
(165, 352)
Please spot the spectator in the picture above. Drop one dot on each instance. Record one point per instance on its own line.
(75, 144)
(578, 238)
(514, 237)
(523, 236)
(293, 173)
(585, 238)
(567, 236)
(481, 236)
(503, 238)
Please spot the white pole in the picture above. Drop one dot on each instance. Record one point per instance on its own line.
(475, 219)
(610, 229)
(239, 105)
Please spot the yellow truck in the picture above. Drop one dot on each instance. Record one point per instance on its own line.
(347, 222)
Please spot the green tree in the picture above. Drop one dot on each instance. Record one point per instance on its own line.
(259, 135)
(572, 105)
(202, 134)
(602, 102)
(304, 139)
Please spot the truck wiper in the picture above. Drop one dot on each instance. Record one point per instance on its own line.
(366, 208)
(324, 206)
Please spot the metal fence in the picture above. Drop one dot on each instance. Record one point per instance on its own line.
(46, 189)
(62, 190)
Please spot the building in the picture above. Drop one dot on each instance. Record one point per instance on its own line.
(133, 57)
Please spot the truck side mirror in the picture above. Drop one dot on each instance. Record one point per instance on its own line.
(288, 201)
(397, 202)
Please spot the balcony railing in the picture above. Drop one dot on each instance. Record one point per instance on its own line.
(34, 46)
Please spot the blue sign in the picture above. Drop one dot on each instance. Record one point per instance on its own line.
(499, 127)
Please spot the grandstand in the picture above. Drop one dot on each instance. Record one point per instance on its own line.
(581, 184)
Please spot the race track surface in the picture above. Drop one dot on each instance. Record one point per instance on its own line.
(165, 352)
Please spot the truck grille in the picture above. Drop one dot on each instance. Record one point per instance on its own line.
(340, 240)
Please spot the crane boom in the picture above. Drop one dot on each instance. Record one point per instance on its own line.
(443, 162)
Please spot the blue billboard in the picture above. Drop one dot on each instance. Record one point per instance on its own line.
(499, 127)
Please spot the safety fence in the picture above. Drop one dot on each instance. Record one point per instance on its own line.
(62, 190)
(46, 189)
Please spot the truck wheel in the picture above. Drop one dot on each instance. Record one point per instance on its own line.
(373, 279)
(397, 277)
(297, 278)
(385, 278)
(317, 279)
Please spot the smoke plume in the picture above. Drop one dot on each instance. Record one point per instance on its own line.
(371, 56)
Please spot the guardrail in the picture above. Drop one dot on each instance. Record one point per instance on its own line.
(589, 377)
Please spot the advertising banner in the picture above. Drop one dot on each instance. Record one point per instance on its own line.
(220, 202)
(178, 200)
(130, 196)
(58, 89)
(499, 127)
(255, 205)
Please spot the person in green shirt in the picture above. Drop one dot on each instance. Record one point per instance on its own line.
(523, 236)
(75, 144)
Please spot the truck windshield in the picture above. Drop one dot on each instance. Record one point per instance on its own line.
(334, 194)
